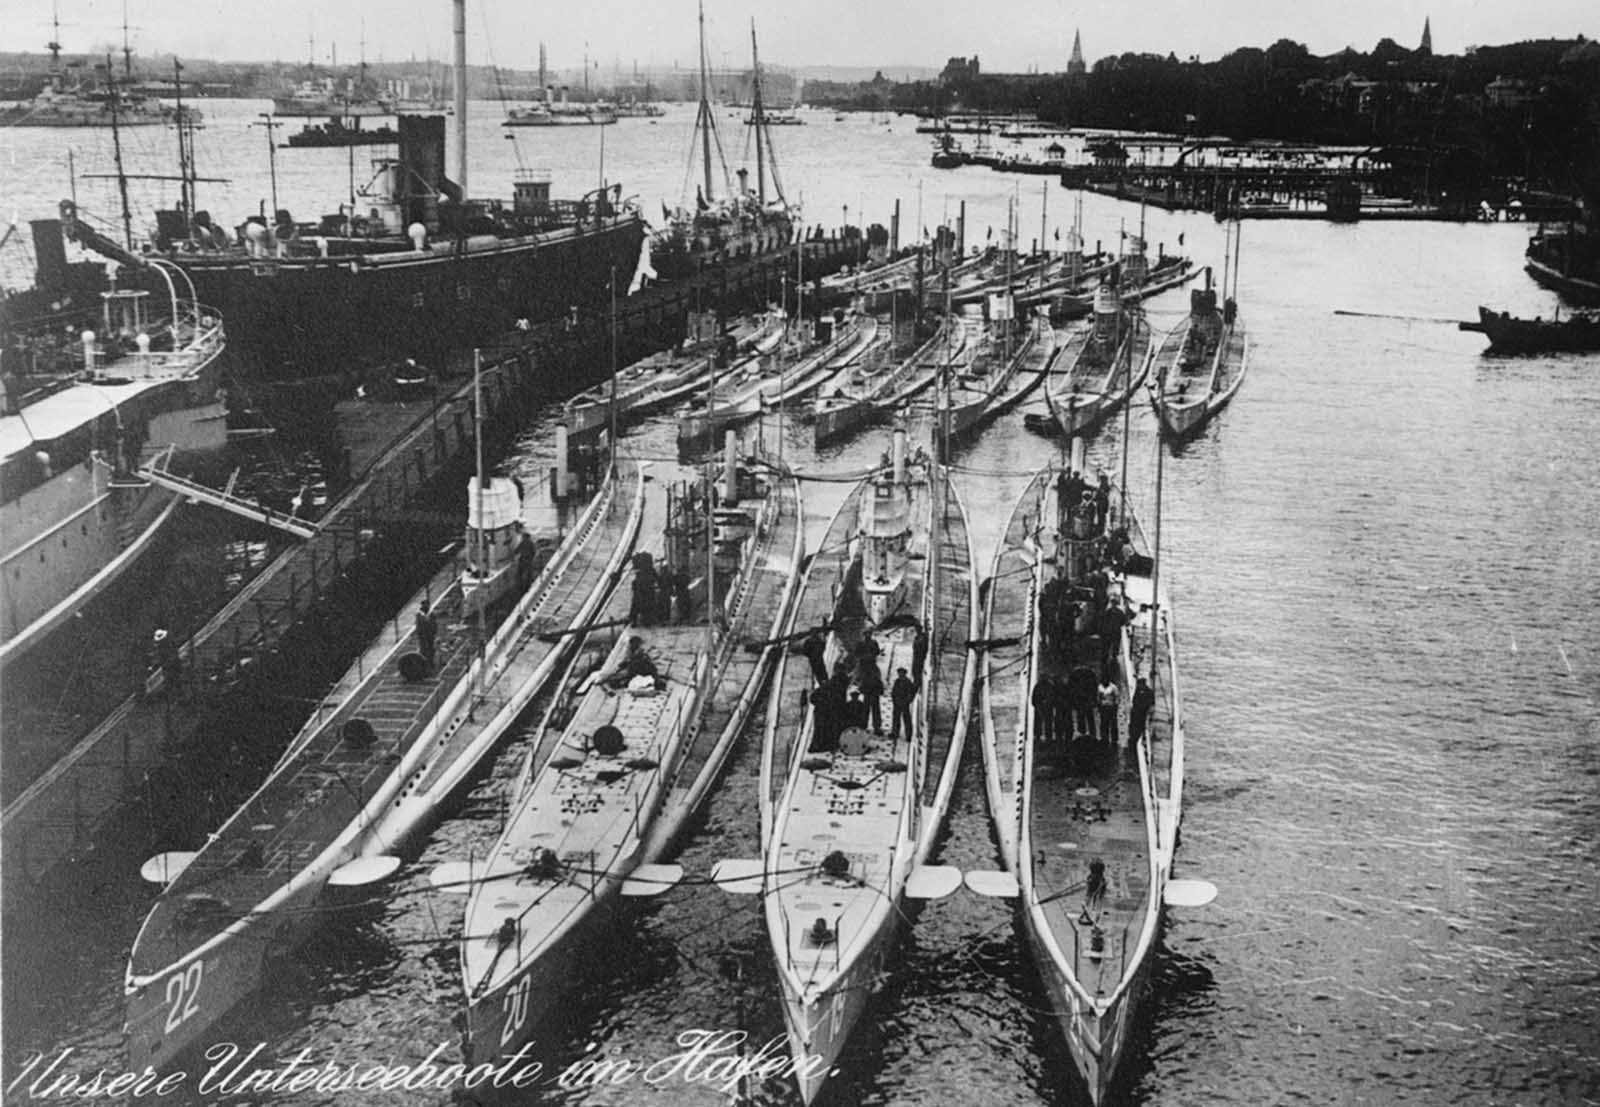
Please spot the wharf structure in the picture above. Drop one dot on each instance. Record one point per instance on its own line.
(1267, 180)
(398, 451)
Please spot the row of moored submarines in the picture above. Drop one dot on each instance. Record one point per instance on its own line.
(654, 624)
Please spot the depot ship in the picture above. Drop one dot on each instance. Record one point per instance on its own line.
(422, 269)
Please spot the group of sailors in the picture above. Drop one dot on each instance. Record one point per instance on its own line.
(1082, 616)
(660, 593)
(851, 695)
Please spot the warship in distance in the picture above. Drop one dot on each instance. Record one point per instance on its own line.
(423, 269)
(78, 103)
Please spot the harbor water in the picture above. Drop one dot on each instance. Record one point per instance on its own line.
(1385, 573)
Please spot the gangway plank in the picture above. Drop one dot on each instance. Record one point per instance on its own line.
(227, 501)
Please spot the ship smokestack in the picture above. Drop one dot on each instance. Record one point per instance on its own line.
(730, 468)
(899, 455)
(461, 96)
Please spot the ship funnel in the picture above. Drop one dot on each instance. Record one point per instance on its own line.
(1078, 455)
(50, 253)
(899, 456)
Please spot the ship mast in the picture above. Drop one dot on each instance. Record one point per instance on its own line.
(127, 51)
(186, 176)
(759, 118)
(461, 95)
(54, 47)
(705, 121)
(116, 146)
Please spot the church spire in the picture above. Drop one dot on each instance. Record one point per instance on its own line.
(1427, 37)
(1076, 65)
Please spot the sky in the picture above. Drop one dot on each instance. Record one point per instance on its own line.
(1007, 35)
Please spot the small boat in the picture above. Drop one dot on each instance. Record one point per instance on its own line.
(1200, 364)
(372, 765)
(1087, 824)
(948, 154)
(850, 809)
(1566, 258)
(337, 132)
(1111, 361)
(604, 796)
(1580, 330)
(560, 114)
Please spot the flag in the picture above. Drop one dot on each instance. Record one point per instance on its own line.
(643, 272)
(1058, 234)
(1180, 238)
(990, 235)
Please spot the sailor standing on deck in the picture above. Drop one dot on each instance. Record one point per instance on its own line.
(1144, 699)
(816, 649)
(1106, 697)
(525, 557)
(870, 682)
(900, 696)
(427, 633)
